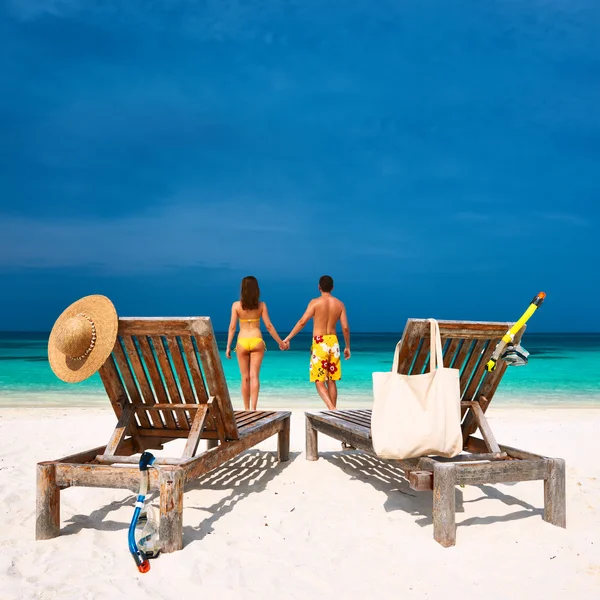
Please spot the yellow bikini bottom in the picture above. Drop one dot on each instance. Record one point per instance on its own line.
(251, 343)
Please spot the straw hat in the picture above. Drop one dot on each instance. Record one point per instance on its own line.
(82, 338)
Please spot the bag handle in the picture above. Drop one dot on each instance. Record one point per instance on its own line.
(396, 357)
(436, 356)
(434, 353)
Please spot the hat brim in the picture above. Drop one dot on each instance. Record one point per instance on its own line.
(101, 310)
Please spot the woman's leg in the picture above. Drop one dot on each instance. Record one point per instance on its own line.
(256, 357)
(243, 357)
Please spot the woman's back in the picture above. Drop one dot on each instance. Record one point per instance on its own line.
(249, 320)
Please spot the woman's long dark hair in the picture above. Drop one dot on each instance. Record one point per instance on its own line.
(250, 293)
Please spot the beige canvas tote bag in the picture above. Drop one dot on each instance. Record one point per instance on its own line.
(417, 415)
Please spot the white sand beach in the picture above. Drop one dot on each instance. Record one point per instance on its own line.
(347, 526)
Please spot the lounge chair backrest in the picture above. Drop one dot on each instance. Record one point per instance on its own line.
(168, 361)
(467, 346)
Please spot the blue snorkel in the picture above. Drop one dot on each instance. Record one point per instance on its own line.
(141, 561)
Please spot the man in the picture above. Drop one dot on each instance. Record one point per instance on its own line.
(325, 365)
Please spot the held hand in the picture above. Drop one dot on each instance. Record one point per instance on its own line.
(228, 353)
(284, 345)
(347, 353)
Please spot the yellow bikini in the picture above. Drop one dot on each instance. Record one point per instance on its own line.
(250, 343)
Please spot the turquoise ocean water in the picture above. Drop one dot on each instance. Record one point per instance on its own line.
(563, 369)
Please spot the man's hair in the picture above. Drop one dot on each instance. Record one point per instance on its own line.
(326, 283)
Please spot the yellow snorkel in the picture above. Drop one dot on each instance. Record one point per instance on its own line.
(515, 355)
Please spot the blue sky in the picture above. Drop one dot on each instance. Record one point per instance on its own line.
(436, 158)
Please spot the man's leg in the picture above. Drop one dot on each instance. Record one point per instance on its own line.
(333, 393)
(322, 391)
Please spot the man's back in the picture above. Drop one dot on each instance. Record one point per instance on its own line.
(325, 366)
(327, 312)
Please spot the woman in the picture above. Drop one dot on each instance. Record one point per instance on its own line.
(250, 348)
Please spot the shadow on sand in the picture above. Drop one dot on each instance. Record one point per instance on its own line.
(246, 474)
(386, 477)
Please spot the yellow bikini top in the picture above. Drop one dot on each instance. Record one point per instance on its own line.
(249, 320)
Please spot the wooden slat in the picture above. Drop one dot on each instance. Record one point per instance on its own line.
(472, 360)
(134, 460)
(344, 432)
(146, 392)
(182, 375)
(413, 332)
(164, 326)
(484, 427)
(484, 456)
(490, 384)
(103, 476)
(501, 471)
(474, 384)
(163, 433)
(127, 377)
(216, 384)
(176, 407)
(157, 382)
(469, 425)
(217, 420)
(356, 419)
(209, 460)
(355, 415)
(196, 372)
(451, 351)
(472, 329)
(195, 431)
(462, 354)
(167, 372)
(251, 417)
(422, 355)
(120, 430)
(113, 385)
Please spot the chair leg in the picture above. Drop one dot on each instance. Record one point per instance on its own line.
(211, 444)
(47, 521)
(312, 447)
(283, 441)
(171, 509)
(444, 504)
(555, 494)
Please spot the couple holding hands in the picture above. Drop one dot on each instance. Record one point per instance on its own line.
(325, 365)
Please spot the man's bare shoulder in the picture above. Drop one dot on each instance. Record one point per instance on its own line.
(338, 303)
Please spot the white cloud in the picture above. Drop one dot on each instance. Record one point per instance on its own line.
(238, 234)
(564, 218)
(472, 217)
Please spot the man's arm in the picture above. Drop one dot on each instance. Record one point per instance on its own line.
(345, 331)
(306, 317)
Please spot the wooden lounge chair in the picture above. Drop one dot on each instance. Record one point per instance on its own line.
(165, 382)
(467, 346)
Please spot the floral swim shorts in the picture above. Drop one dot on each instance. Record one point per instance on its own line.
(325, 359)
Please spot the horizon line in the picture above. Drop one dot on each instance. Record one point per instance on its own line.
(361, 332)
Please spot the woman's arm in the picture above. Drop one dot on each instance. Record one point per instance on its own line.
(309, 313)
(271, 328)
(232, 328)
